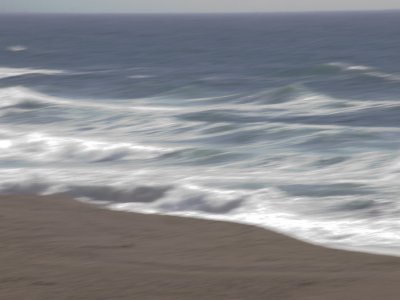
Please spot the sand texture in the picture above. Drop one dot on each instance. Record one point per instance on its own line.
(53, 248)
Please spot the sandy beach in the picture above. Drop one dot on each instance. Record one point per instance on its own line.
(55, 248)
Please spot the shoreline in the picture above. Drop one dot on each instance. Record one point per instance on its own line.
(57, 248)
(365, 250)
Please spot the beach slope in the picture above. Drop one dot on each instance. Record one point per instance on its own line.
(53, 248)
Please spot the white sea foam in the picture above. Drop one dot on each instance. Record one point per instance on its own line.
(390, 77)
(271, 209)
(307, 102)
(356, 219)
(39, 147)
(366, 70)
(21, 97)
(349, 67)
(17, 48)
(140, 76)
(304, 102)
(11, 72)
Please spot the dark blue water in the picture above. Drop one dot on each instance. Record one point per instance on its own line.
(286, 121)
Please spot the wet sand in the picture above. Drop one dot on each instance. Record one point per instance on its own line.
(57, 249)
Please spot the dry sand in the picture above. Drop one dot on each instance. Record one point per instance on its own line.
(54, 248)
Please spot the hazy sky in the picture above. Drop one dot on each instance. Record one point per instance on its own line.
(139, 6)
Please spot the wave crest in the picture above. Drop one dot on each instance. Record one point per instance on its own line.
(44, 148)
(6, 72)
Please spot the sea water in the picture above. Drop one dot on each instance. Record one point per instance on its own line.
(286, 121)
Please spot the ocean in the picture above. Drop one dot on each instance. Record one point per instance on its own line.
(286, 121)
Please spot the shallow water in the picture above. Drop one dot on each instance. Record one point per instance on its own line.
(286, 121)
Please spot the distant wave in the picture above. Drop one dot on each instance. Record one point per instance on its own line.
(366, 70)
(348, 67)
(17, 48)
(11, 72)
(140, 76)
(293, 99)
(26, 98)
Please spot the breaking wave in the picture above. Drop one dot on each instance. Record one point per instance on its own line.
(286, 156)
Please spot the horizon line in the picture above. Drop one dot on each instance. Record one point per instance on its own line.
(202, 13)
